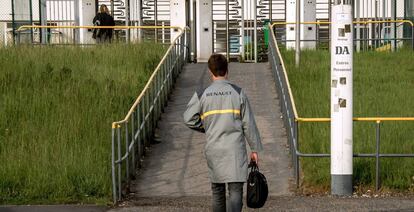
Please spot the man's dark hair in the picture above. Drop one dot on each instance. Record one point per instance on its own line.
(218, 65)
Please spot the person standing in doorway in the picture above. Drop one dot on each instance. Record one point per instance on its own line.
(103, 18)
(222, 111)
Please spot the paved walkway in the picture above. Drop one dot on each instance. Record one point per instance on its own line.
(176, 167)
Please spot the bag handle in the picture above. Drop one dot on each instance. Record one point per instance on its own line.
(253, 165)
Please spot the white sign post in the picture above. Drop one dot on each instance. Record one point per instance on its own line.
(341, 98)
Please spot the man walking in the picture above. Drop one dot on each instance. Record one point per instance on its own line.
(222, 111)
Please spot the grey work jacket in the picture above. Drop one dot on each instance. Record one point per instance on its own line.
(223, 112)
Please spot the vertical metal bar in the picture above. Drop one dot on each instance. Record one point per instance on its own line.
(364, 29)
(154, 108)
(395, 24)
(377, 173)
(113, 165)
(177, 56)
(165, 89)
(169, 62)
(112, 8)
(163, 32)
(412, 37)
(139, 9)
(162, 91)
(383, 17)
(119, 163)
(52, 15)
(227, 30)
(329, 19)
(149, 113)
(127, 152)
(59, 21)
(127, 21)
(31, 19)
(148, 117)
(242, 30)
(296, 156)
(255, 30)
(156, 19)
(144, 105)
(154, 102)
(297, 47)
(376, 26)
(76, 34)
(134, 142)
(13, 21)
(250, 30)
(167, 69)
(158, 92)
(181, 46)
(139, 138)
(270, 10)
(358, 26)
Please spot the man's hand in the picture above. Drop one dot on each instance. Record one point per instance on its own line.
(254, 157)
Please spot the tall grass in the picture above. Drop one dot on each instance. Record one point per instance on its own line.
(383, 87)
(56, 109)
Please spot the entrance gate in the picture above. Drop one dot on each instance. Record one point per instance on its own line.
(239, 27)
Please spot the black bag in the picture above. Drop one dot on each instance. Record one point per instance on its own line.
(96, 31)
(257, 190)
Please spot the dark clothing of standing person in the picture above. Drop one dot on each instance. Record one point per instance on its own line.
(222, 111)
(103, 19)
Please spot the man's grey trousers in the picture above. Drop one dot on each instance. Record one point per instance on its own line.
(235, 197)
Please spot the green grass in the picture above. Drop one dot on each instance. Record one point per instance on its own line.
(383, 87)
(56, 109)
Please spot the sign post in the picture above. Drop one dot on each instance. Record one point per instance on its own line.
(341, 98)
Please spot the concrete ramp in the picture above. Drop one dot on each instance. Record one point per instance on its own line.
(176, 167)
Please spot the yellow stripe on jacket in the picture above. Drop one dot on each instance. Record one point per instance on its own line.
(213, 112)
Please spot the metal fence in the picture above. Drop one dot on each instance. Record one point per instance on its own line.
(76, 30)
(292, 119)
(132, 135)
(364, 42)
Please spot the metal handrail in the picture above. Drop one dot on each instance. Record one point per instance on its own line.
(149, 80)
(121, 27)
(97, 27)
(292, 122)
(402, 21)
(282, 63)
(354, 22)
(367, 119)
(134, 132)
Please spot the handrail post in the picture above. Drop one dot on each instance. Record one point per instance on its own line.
(126, 152)
(377, 155)
(139, 140)
(412, 36)
(113, 164)
(119, 164)
(295, 152)
(159, 93)
(144, 127)
(134, 143)
(154, 104)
